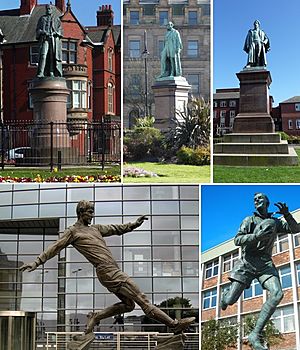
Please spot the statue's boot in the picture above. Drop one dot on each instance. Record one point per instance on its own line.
(255, 340)
(183, 324)
(81, 342)
(222, 302)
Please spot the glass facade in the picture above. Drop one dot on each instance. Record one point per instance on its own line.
(161, 255)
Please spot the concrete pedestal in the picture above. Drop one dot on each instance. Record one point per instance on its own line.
(49, 97)
(254, 114)
(170, 95)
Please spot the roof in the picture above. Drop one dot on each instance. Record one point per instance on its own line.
(100, 34)
(21, 29)
(226, 95)
(292, 100)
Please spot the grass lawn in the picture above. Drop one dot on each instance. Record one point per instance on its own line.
(279, 174)
(171, 173)
(44, 173)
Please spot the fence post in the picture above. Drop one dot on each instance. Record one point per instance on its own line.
(51, 146)
(103, 144)
(2, 146)
(90, 141)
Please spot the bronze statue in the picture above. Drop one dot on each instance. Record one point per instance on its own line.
(170, 55)
(257, 44)
(89, 241)
(256, 237)
(49, 33)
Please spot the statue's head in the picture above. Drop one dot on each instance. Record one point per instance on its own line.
(85, 211)
(261, 202)
(170, 25)
(256, 24)
(49, 9)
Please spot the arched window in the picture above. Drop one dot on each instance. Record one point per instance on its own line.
(110, 98)
(110, 59)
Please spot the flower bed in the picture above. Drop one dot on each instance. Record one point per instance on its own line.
(72, 178)
(138, 172)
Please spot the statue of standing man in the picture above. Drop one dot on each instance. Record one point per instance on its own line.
(170, 56)
(49, 33)
(257, 44)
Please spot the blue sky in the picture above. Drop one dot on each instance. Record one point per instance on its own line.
(225, 206)
(280, 21)
(85, 11)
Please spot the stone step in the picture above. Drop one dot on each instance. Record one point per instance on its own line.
(257, 159)
(252, 148)
(252, 138)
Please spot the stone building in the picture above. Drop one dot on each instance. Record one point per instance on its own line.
(217, 263)
(192, 19)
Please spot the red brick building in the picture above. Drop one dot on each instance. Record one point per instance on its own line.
(290, 115)
(217, 264)
(91, 62)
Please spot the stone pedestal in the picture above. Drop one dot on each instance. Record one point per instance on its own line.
(254, 141)
(170, 95)
(254, 114)
(49, 97)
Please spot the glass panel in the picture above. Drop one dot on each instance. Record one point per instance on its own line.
(108, 208)
(165, 223)
(166, 237)
(25, 197)
(190, 268)
(141, 238)
(167, 284)
(189, 207)
(138, 269)
(164, 268)
(52, 210)
(165, 192)
(166, 253)
(137, 253)
(29, 211)
(190, 253)
(189, 222)
(108, 193)
(190, 237)
(165, 207)
(136, 208)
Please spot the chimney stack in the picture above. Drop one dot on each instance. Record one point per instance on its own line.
(61, 5)
(105, 16)
(27, 6)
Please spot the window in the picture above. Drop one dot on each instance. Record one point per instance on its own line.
(297, 239)
(297, 107)
(254, 290)
(149, 10)
(215, 114)
(230, 260)
(134, 48)
(283, 319)
(212, 268)
(193, 20)
(232, 114)
(163, 18)
(210, 298)
(290, 124)
(298, 273)
(69, 51)
(285, 276)
(160, 47)
(34, 54)
(232, 103)
(110, 59)
(78, 95)
(223, 104)
(192, 50)
(281, 244)
(110, 97)
(215, 104)
(134, 85)
(177, 10)
(222, 114)
(297, 123)
(222, 121)
(194, 80)
(205, 10)
(134, 17)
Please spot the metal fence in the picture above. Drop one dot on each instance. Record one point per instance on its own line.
(116, 340)
(60, 143)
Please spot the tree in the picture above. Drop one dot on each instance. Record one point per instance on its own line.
(191, 125)
(218, 335)
(270, 334)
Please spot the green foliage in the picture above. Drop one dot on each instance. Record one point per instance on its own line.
(143, 143)
(190, 156)
(291, 139)
(191, 126)
(270, 334)
(216, 335)
(283, 135)
(145, 122)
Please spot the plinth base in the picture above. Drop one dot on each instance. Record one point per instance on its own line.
(174, 342)
(81, 342)
(254, 150)
(170, 95)
(253, 123)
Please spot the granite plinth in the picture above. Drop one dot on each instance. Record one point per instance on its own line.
(170, 95)
(254, 150)
(174, 342)
(254, 113)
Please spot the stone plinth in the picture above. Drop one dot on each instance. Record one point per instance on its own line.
(254, 114)
(49, 97)
(254, 150)
(170, 95)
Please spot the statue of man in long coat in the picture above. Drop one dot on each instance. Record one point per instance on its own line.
(257, 44)
(49, 33)
(170, 56)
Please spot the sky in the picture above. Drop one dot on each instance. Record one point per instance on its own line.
(84, 10)
(280, 21)
(223, 208)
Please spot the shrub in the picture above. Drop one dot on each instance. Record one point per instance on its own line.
(143, 143)
(197, 156)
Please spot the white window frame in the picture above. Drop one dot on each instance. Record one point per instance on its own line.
(280, 239)
(232, 114)
(81, 93)
(110, 97)
(281, 275)
(282, 316)
(232, 103)
(214, 264)
(253, 284)
(232, 258)
(222, 114)
(297, 107)
(290, 124)
(298, 124)
(215, 104)
(297, 236)
(34, 53)
(212, 294)
(223, 104)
